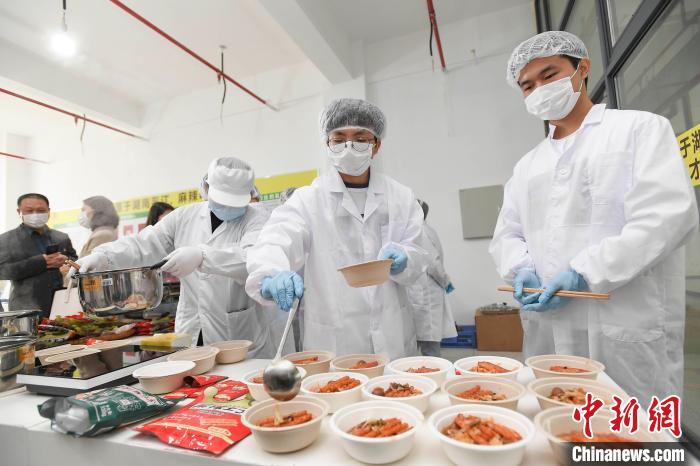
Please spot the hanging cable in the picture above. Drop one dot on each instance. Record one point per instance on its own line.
(66, 112)
(190, 52)
(82, 133)
(64, 24)
(222, 79)
(435, 30)
(430, 46)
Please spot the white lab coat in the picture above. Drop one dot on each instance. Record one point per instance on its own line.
(432, 312)
(212, 299)
(321, 229)
(616, 205)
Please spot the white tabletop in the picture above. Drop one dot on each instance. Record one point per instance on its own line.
(37, 444)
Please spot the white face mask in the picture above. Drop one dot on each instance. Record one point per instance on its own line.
(350, 161)
(555, 100)
(35, 220)
(84, 220)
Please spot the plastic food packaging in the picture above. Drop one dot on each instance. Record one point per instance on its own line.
(205, 424)
(93, 413)
(194, 386)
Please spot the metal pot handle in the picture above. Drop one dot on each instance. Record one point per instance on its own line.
(76, 266)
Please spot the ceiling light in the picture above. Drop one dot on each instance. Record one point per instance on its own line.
(62, 43)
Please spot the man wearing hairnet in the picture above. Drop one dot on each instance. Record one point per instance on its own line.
(349, 215)
(205, 245)
(604, 204)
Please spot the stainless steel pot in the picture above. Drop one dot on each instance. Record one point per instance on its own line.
(119, 291)
(19, 323)
(16, 355)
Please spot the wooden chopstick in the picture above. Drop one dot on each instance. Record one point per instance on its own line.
(563, 293)
(75, 265)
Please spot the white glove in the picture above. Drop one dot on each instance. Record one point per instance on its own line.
(183, 261)
(95, 262)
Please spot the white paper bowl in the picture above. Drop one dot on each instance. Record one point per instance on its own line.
(540, 366)
(557, 421)
(369, 273)
(257, 390)
(542, 388)
(510, 388)
(343, 364)
(466, 454)
(231, 351)
(285, 439)
(401, 366)
(420, 402)
(163, 377)
(376, 450)
(204, 358)
(322, 365)
(335, 400)
(465, 364)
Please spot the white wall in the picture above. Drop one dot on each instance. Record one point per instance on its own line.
(446, 132)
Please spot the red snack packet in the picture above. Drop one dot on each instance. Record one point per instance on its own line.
(203, 380)
(205, 424)
(193, 386)
(226, 391)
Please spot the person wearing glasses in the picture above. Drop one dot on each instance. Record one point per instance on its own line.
(349, 215)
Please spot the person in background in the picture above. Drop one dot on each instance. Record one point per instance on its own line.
(157, 212)
(428, 295)
(205, 245)
(349, 215)
(99, 215)
(255, 194)
(604, 203)
(32, 254)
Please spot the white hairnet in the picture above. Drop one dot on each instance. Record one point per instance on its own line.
(352, 113)
(546, 44)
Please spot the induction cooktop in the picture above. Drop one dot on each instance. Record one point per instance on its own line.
(105, 368)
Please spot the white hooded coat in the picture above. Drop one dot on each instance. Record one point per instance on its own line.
(320, 229)
(614, 202)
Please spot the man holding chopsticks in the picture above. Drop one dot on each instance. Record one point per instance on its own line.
(602, 204)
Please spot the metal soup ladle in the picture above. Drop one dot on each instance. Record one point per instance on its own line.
(282, 379)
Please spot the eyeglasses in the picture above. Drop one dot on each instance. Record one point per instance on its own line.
(361, 145)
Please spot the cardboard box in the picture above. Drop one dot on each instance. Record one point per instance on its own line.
(499, 332)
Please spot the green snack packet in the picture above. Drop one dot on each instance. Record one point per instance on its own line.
(93, 413)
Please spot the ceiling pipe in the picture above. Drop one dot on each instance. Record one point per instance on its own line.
(194, 55)
(66, 112)
(433, 21)
(22, 157)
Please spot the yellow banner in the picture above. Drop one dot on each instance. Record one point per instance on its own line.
(269, 187)
(690, 150)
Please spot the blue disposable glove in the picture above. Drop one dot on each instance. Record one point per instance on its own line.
(569, 280)
(450, 288)
(283, 288)
(399, 258)
(526, 278)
